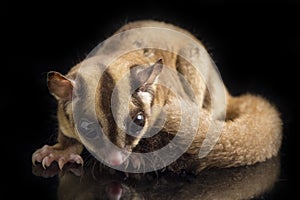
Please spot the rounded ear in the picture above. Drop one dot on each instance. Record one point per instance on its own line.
(148, 76)
(60, 86)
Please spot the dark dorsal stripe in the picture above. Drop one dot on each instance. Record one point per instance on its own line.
(107, 84)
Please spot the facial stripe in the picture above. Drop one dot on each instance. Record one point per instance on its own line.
(106, 86)
(113, 77)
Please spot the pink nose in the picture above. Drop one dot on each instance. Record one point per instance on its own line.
(115, 158)
(115, 162)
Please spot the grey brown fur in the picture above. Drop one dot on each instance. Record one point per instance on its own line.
(252, 129)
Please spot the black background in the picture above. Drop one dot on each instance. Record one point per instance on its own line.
(256, 48)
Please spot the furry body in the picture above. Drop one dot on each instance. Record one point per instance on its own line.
(251, 132)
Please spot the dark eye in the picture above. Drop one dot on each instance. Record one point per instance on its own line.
(137, 124)
(139, 119)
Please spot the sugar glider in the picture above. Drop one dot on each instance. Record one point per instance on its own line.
(252, 129)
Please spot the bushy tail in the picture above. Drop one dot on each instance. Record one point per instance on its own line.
(252, 133)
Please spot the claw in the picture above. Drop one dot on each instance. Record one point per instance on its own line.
(47, 154)
(61, 163)
(33, 159)
(47, 161)
(77, 158)
(39, 154)
(44, 163)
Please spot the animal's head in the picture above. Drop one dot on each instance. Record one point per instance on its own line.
(124, 124)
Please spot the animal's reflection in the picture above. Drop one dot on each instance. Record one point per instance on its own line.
(232, 183)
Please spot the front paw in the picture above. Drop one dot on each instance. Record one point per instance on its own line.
(47, 154)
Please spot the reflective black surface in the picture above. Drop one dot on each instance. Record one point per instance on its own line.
(255, 46)
(93, 182)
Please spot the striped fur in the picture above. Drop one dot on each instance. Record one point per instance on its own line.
(252, 131)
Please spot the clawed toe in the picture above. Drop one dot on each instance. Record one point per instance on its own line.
(72, 158)
(48, 154)
(46, 162)
(77, 159)
(40, 154)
